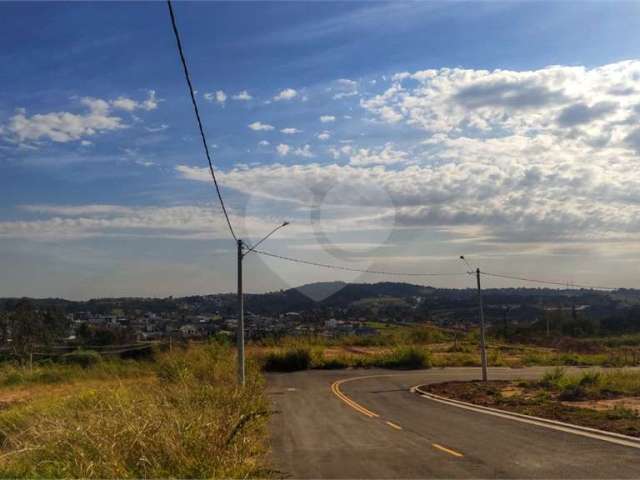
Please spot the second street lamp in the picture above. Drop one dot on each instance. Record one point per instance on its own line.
(483, 346)
(240, 328)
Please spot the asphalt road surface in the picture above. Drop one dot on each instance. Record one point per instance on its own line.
(367, 424)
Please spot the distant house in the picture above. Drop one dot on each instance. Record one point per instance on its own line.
(189, 330)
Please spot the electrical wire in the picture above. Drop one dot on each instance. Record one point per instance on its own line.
(197, 112)
(443, 274)
(548, 282)
(348, 269)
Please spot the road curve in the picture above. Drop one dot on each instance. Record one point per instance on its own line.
(367, 424)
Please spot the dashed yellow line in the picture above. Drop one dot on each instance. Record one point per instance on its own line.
(448, 450)
(393, 425)
(335, 388)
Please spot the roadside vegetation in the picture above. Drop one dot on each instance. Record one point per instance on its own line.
(438, 348)
(303, 358)
(607, 400)
(178, 414)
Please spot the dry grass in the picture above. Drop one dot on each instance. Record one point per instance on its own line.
(188, 420)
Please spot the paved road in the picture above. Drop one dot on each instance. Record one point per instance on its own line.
(316, 434)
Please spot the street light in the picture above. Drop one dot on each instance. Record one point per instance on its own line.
(240, 328)
(483, 349)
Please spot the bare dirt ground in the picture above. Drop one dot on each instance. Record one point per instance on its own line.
(620, 415)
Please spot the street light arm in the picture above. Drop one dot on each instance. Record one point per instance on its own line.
(251, 249)
(467, 264)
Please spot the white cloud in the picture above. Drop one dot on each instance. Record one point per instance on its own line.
(590, 105)
(327, 118)
(264, 143)
(124, 103)
(63, 127)
(290, 131)
(345, 88)
(73, 222)
(386, 155)
(218, 96)
(145, 163)
(540, 157)
(151, 103)
(76, 210)
(324, 135)
(283, 149)
(159, 128)
(286, 94)
(260, 127)
(242, 96)
(130, 105)
(304, 151)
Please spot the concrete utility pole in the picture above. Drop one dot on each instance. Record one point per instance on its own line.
(483, 351)
(240, 330)
(240, 326)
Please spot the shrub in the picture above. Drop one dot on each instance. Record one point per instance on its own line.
(83, 358)
(589, 379)
(553, 377)
(334, 363)
(404, 357)
(288, 360)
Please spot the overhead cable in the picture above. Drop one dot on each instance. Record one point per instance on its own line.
(548, 282)
(349, 269)
(197, 112)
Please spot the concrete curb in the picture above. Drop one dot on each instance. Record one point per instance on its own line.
(610, 437)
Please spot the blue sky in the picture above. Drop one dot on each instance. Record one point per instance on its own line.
(393, 135)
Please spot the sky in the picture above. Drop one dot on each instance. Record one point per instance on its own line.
(393, 136)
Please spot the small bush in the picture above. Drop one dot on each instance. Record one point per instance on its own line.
(622, 413)
(589, 379)
(405, 357)
(334, 363)
(553, 377)
(289, 360)
(83, 358)
(572, 393)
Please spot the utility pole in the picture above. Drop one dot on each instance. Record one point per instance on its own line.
(483, 351)
(547, 321)
(240, 328)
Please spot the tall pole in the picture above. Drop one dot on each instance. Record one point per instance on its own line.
(483, 350)
(240, 330)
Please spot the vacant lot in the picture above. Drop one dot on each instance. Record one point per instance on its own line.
(598, 399)
(179, 414)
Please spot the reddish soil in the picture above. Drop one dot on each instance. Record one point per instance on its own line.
(613, 415)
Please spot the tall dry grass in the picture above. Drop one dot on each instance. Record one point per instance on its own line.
(189, 421)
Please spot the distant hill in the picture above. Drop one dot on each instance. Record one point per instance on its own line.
(617, 311)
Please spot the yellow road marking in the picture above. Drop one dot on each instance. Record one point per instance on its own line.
(393, 425)
(448, 450)
(335, 388)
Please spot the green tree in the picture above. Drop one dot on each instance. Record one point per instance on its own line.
(29, 328)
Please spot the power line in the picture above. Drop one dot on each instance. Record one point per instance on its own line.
(197, 112)
(442, 274)
(548, 282)
(348, 269)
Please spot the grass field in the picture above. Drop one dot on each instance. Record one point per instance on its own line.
(179, 415)
(440, 348)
